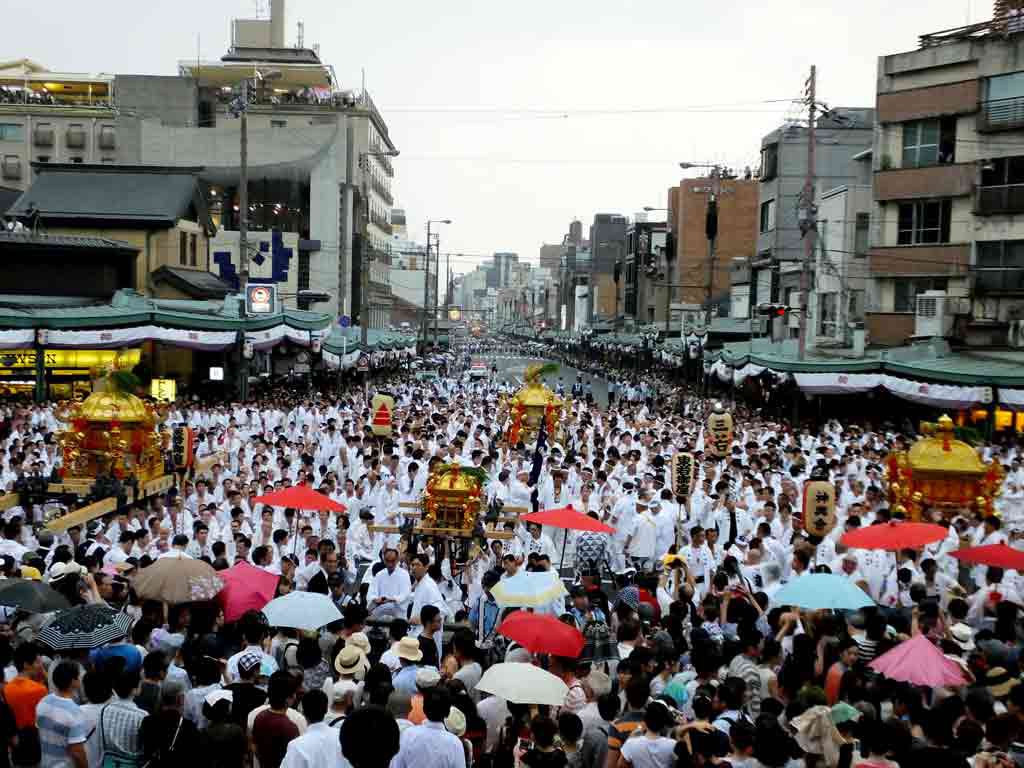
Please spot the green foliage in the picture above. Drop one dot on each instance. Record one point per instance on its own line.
(125, 382)
(477, 473)
(969, 435)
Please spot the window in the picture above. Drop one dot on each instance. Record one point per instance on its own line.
(920, 143)
(861, 234)
(12, 132)
(905, 291)
(769, 162)
(278, 123)
(929, 142)
(43, 159)
(192, 255)
(923, 223)
(76, 160)
(1000, 266)
(768, 216)
(183, 248)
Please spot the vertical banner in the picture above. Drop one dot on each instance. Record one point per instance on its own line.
(719, 439)
(382, 407)
(819, 508)
(683, 475)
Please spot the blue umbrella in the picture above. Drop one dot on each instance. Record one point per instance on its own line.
(817, 591)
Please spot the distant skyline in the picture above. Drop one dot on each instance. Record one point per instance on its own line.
(514, 119)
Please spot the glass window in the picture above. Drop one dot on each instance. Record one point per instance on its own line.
(923, 223)
(12, 132)
(905, 291)
(1009, 86)
(860, 238)
(920, 143)
(767, 215)
(999, 266)
(192, 251)
(183, 249)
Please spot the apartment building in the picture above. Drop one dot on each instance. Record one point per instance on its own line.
(947, 256)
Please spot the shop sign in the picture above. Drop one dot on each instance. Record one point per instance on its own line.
(164, 390)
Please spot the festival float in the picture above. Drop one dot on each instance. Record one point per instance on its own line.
(939, 471)
(112, 450)
(535, 405)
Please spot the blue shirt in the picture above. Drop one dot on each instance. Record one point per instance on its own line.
(61, 724)
(405, 679)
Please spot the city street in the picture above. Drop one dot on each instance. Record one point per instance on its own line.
(512, 368)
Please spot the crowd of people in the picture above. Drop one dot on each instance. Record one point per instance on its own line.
(689, 660)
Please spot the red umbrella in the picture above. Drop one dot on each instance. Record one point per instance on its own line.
(245, 587)
(894, 536)
(917, 661)
(567, 517)
(541, 633)
(999, 555)
(300, 497)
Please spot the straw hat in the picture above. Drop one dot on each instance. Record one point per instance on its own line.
(409, 649)
(350, 661)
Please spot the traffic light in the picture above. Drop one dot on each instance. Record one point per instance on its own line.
(773, 310)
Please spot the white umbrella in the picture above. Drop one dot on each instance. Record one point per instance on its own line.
(301, 610)
(523, 684)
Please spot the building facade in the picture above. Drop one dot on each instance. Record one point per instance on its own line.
(697, 274)
(949, 188)
(777, 261)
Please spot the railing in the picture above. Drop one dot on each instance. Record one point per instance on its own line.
(1001, 114)
(381, 189)
(1006, 198)
(10, 97)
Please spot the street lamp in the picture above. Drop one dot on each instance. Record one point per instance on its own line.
(426, 279)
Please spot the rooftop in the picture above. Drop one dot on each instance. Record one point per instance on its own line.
(137, 194)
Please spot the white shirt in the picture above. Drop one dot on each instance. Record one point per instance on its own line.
(397, 586)
(318, 746)
(429, 746)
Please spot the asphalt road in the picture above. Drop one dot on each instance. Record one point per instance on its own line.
(513, 369)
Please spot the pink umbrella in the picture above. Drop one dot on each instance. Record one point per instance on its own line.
(245, 587)
(918, 662)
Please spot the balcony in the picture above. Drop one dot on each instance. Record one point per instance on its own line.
(381, 189)
(1005, 198)
(1001, 115)
(947, 180)
(381, 222)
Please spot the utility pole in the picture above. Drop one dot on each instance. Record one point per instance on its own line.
(437, 277)
(243, 190)
(808, 217)
(711, 230)
(426, 288)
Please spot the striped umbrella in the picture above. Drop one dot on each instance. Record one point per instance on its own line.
(85, 627)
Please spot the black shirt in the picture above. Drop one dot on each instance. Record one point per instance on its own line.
(245, 697)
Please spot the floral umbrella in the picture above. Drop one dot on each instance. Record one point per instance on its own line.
(178, 580)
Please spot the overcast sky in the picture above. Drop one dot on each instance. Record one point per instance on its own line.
(514, 118)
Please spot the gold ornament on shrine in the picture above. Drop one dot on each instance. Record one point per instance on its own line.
(111, 432)
(452, 499)
(942, 472)
(534, 405)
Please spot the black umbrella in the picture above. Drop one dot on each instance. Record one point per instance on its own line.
(32, 596)
(85, 626)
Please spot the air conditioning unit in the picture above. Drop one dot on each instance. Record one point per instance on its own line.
(932, 318)
(1015, 338)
